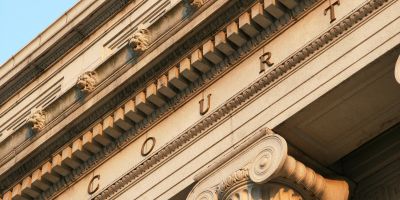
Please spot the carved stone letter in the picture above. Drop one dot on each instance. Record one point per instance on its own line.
(265, 60)
(201, 102)
(149, 141)
(331, 9)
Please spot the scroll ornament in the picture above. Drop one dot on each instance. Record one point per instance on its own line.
(140, 40)
(87, 81)
(37, 120)
(271, 174)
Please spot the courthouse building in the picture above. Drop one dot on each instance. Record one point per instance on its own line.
(206, 100)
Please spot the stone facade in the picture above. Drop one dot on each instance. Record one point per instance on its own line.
(170, 99)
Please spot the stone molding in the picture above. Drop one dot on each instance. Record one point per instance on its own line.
(233, 103)
(272, 149)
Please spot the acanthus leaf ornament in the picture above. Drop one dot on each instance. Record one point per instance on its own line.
(197, 3)
(265, 60)
(241, 175)
(87, 81)
(37, 119)
(140, 40)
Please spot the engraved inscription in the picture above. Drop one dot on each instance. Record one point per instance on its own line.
(265, 60)
(201, 102)
(90, 189)
(331, 9)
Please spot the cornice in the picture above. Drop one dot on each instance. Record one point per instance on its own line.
(56, 51)
(43, 153)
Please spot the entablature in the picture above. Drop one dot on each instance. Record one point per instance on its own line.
(192, 70)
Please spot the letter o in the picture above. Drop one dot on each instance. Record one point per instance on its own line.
(145, 152)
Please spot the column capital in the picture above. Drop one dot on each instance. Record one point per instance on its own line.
(261, 168)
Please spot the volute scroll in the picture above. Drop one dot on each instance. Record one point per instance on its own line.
(269, 161)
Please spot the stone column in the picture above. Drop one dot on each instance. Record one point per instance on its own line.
(265, 172)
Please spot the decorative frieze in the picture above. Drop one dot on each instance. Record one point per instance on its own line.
(87, 81)
(203, 110)
(37, 120)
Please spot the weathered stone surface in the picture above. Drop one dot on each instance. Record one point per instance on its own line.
(156, 99)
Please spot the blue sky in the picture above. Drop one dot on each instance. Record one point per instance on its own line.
(23, 20)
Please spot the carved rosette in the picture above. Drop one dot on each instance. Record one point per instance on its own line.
(197, 3)
(87, 81)
(37, 120)
(140, 40)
